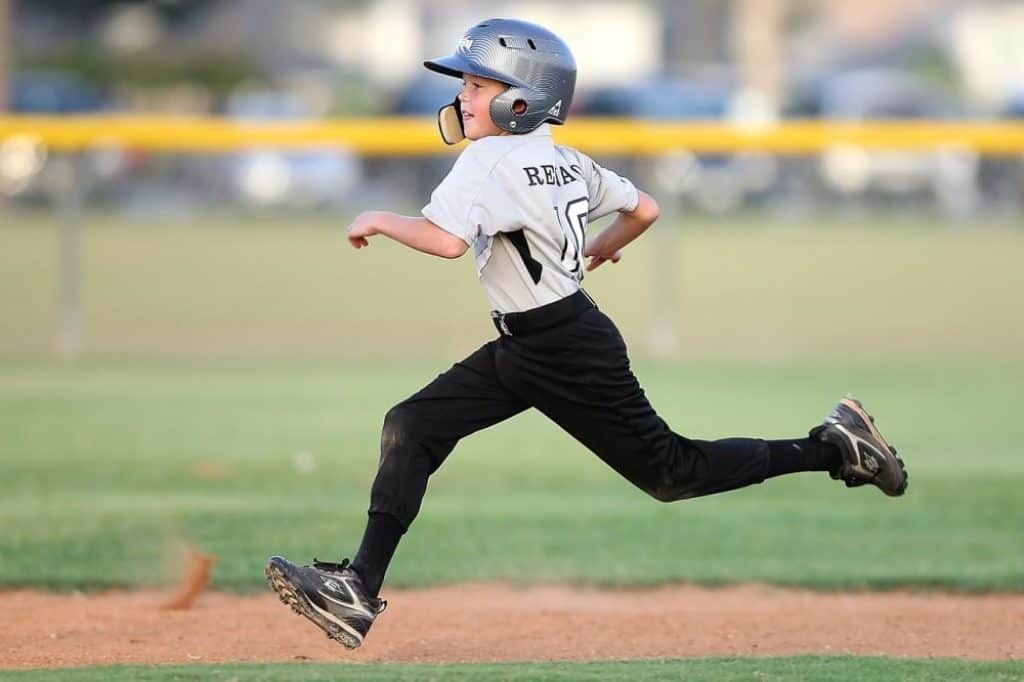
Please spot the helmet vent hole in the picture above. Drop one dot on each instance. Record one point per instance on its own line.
(515, 43)
(519, 107)
(529, 41)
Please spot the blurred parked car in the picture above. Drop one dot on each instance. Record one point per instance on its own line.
(55, 92)
(26, 163)
(270, 177)
(1002, 177)
(424, 95)
(947, 175)
(421, 97)
(715, 183)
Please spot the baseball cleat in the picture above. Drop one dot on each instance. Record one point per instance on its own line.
(867, 458)
(330, 595)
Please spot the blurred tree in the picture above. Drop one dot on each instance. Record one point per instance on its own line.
(216, 74)
(88, 11)
(73, 36)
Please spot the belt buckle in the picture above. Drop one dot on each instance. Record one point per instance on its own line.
(502, 324)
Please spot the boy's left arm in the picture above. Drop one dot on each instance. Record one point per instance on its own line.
(415, 232)
(625, 228)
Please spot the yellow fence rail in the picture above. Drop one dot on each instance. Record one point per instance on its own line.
(418, 136)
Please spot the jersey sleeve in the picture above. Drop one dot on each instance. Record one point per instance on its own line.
(451, 201)
(609, 192)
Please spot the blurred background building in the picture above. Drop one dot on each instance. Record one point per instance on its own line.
(745, 60)
(744, 65)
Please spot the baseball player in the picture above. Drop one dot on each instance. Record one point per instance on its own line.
(522, 204)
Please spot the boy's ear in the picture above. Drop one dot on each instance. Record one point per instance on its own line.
(449, 121)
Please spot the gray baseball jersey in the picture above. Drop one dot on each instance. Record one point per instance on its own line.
(523, 204)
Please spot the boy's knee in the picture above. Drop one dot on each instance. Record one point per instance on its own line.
(410, 438)
(663, 494)
(397, 428)
(671, 491)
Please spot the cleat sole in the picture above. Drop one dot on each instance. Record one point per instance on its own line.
(298, 602)
(856, 406)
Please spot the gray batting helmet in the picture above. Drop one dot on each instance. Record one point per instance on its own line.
(536, 64)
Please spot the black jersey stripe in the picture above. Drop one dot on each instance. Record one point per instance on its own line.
(518, 239)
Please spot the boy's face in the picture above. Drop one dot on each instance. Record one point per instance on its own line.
(477, 93)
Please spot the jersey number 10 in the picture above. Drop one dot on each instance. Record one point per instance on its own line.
(574, 228)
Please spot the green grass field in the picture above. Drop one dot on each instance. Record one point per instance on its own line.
(235, 378)
(798, 668)
(109, 461)
(743, 288)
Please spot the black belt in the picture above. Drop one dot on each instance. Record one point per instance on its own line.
(536, 319)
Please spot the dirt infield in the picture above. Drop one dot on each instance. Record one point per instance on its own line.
(483, 623)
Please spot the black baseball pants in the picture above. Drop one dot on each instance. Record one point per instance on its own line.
(577, 373)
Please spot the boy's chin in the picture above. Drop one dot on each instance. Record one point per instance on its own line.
(473, 134)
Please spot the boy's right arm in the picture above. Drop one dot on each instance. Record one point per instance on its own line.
(417, 233)
(625, 228)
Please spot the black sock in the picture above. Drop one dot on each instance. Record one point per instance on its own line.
(383, 532)
(805, 454)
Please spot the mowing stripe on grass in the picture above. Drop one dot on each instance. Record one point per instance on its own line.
(838, 668)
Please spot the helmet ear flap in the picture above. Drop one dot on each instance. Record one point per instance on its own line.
(522, 110)
(510, 110)
(449, 122)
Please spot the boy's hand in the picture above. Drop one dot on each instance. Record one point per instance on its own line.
(597, 261)
(361, 228)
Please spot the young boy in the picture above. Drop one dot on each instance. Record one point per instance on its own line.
(522, 203)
